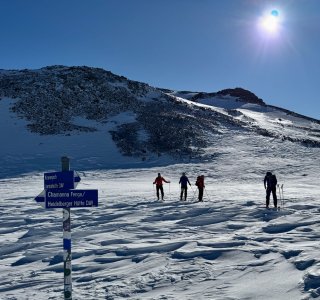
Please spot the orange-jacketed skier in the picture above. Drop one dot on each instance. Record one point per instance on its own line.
(159, 185)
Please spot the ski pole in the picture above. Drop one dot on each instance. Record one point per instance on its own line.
(154, 191)
(278, 185)
(282, 195)
(192, 199)
(207, 194)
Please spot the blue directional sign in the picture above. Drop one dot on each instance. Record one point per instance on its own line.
(77, 178)
(59, 180)
(59, 198)
(40, 198)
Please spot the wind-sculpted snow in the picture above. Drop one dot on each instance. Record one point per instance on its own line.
(133, 247)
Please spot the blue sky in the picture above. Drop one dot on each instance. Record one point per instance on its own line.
(197, 45)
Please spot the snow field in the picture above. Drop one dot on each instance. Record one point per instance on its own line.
(132, 246)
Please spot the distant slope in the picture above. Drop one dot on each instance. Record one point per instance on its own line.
(266, 120)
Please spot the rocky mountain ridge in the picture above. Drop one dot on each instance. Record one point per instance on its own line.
(53, 100)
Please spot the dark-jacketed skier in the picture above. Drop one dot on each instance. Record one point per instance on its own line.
(184, 181)
(159, 185)
(270, 184)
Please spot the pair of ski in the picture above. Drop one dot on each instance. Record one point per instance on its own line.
(190, 201)
(186, 201)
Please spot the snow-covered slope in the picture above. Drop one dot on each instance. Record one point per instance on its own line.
(131, 246)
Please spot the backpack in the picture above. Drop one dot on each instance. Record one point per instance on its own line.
(272, 181)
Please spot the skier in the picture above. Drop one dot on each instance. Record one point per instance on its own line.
(158, 182)
(184, 186)
(200, 185)
(270, 184)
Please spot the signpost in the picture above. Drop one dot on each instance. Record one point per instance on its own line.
(59, 192)
(71, 198)
(59, 180)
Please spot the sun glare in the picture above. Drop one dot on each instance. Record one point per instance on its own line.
(270, 22)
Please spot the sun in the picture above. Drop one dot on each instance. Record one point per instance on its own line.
(270, 22)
